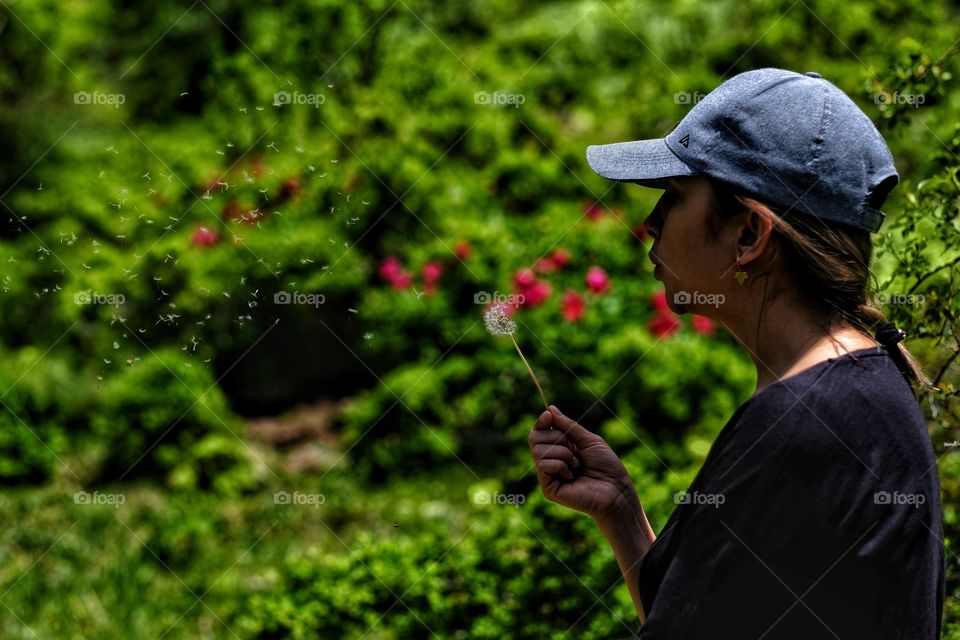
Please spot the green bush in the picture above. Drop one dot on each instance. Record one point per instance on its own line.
(164, 416)
(517, 571)
(40, 403)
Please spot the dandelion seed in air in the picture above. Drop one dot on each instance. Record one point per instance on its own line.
(499, 324)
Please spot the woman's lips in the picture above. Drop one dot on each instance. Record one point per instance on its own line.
(656, 272)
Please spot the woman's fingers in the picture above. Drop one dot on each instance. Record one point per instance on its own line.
(554, 451)
(546, 436)
(544, 421)
(554, 467)
(555, 439)
(574, 431)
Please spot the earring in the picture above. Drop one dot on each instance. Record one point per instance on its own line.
(740, 274)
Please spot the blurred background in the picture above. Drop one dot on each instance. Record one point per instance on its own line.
(245, 248)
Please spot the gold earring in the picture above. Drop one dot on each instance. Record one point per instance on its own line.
(740, 275)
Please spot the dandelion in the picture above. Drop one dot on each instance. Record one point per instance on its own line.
(499, 324)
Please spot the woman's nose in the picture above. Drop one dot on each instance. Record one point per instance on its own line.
(651, 228)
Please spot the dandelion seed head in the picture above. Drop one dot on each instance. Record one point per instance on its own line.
(498, 322)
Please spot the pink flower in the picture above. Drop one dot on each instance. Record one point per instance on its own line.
(431, 276)
(536, 294)
(544, 265)
(462, 250)
(524, 278)
(663, 324)
(390, 267)
(561, 257)
(393, 272)
(573, 306)
(205, 237)
(703, 325)
(432, 272)
(597, 280)
(401, 281)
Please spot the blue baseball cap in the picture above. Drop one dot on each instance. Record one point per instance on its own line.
(793, 140)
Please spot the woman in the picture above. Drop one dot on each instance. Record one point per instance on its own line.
(816, 513)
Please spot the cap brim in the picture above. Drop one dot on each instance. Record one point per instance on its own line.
(649, 163)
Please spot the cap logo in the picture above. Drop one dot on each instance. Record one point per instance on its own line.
(684, 140)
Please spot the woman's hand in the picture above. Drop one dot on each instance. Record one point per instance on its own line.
(578, 469)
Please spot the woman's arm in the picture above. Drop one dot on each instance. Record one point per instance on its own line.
(630, 535)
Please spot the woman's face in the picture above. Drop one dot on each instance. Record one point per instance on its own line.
(695, 269)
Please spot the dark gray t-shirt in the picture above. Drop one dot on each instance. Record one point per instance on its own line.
(816, 514)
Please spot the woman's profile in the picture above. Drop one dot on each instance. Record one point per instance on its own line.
(816, 513)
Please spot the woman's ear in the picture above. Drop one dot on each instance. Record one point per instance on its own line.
(754, 233)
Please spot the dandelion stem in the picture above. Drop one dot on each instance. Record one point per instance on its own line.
(532, 374)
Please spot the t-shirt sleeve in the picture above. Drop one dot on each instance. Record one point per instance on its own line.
(780, 538)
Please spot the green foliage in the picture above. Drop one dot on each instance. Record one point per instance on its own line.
(521, 572)
(165, 416)
(143, 247)
(40, 405)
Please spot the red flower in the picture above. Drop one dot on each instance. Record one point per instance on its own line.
(703, 325)
(561, 257)
(659, 300)
(462, 250)
(597, 280)
(401, 281)
(573, 306)
(536, 294)
(544, 265)
(524, 278)
(205, 237)
(593, 210)
(664, 323)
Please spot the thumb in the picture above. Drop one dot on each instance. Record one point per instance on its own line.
(575, 432)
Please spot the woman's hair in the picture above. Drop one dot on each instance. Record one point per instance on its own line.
(829, 266)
